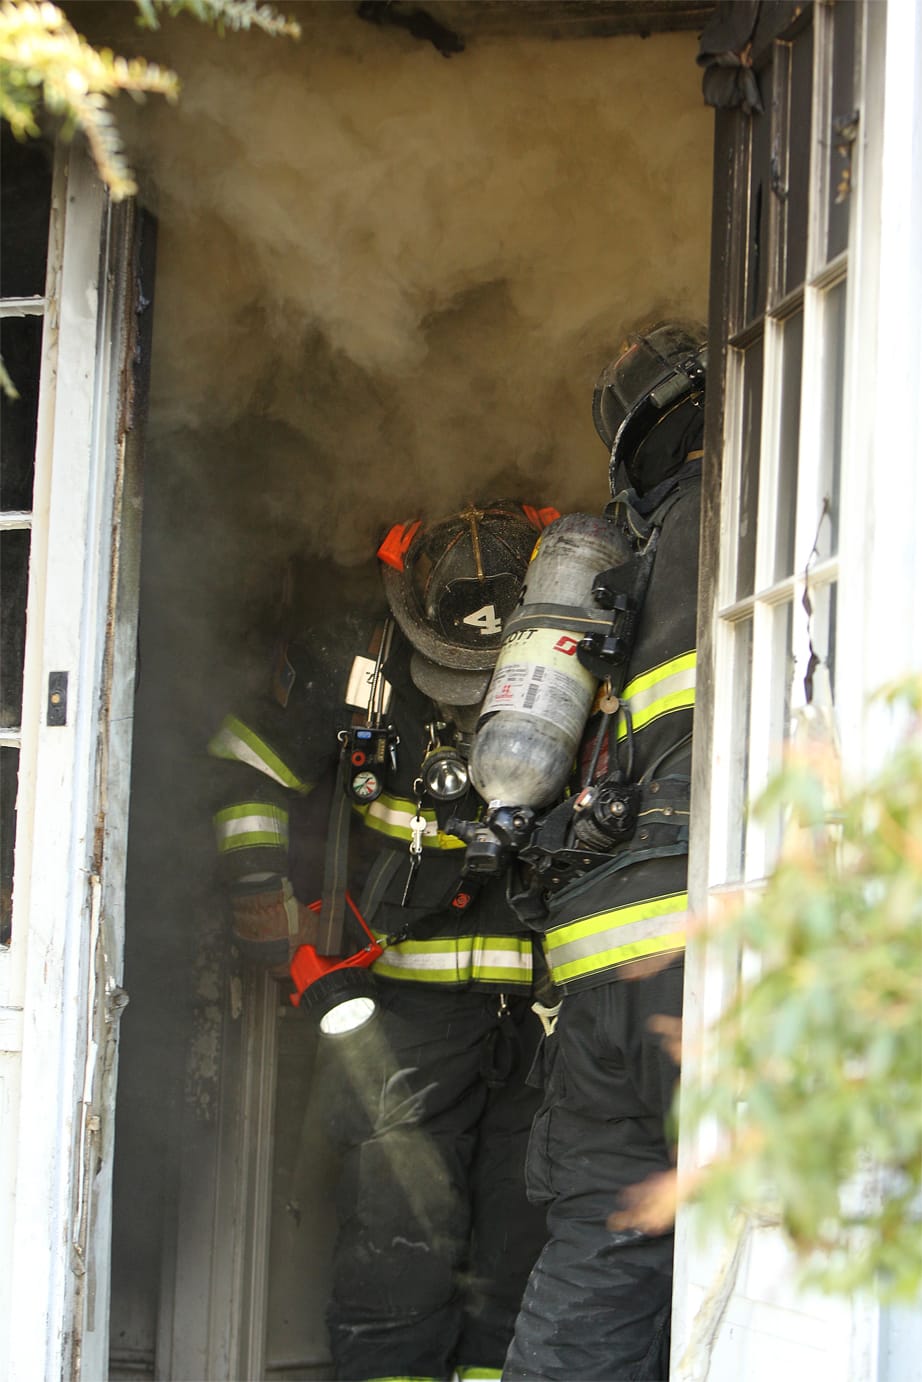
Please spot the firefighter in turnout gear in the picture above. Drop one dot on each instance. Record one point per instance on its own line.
(597, 1304)
(335, 855)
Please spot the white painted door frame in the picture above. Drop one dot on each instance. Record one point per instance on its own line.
(63, 967)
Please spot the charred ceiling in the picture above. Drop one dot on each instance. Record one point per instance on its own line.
(451, 24)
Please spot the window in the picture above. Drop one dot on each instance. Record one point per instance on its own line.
(782, 348)
(25, 197)
(840, 343)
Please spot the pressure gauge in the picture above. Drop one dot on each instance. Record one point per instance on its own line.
(369, 752)
(365, 785)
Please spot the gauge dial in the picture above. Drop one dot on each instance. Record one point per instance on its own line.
(366, 785)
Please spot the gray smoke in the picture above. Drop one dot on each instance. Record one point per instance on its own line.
(387, 281)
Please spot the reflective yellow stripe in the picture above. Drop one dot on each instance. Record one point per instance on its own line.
(671, 686)
(251, 824)
(412, 1377)
(460, 960)
(392, 816)
(240, 744)
(610, 938)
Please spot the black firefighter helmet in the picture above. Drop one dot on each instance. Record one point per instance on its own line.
(647, 402)
(451, 585)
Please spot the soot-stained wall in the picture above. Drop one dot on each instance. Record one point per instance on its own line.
(386, 283)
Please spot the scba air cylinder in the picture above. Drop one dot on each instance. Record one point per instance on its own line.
(540, 696)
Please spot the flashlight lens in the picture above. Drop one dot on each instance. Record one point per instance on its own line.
(446, 778)
(348, 1016)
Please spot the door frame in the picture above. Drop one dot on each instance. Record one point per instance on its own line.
(64, 963)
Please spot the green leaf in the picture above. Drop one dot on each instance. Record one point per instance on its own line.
(819, 1093)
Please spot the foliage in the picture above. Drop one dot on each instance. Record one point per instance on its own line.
(45, 63)
(820, 1087)
(223, 14)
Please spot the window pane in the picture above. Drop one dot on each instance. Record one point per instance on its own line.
(750, 453)
(21, 348)
(738, 748)
(9, 774)
(833, 405)
(816, 652)
(831, 617)
(820, 672)
(783, 672)
(795, 158)
(14, 576)
(759, 197)
(25, 204)
(841, 135)
(792, 352)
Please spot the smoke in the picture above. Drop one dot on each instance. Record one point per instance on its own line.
(387, 280)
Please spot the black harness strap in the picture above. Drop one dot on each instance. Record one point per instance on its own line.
(335, 871)
(379, 878)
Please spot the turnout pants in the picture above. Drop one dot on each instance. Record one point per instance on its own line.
(432, 1111)
(597, 1304)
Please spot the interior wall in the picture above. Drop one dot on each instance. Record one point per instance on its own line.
(386, 283)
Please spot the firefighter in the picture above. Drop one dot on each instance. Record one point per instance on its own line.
(338, 825)
(597, 1304)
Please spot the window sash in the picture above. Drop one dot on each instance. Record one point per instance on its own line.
(783, 404)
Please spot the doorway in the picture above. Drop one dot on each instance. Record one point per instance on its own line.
(387, 281)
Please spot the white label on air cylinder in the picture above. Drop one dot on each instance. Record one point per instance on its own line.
(538, 672)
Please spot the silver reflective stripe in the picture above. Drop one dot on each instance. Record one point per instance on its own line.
(447, 960)
(239, 743)
(251, 824)
(615, 937)
(392, 816)
(665, 688)
(454, 965)
(487, 957)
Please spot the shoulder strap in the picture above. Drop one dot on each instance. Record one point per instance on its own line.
(335, 871)
(336, 856)
(642, 513)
